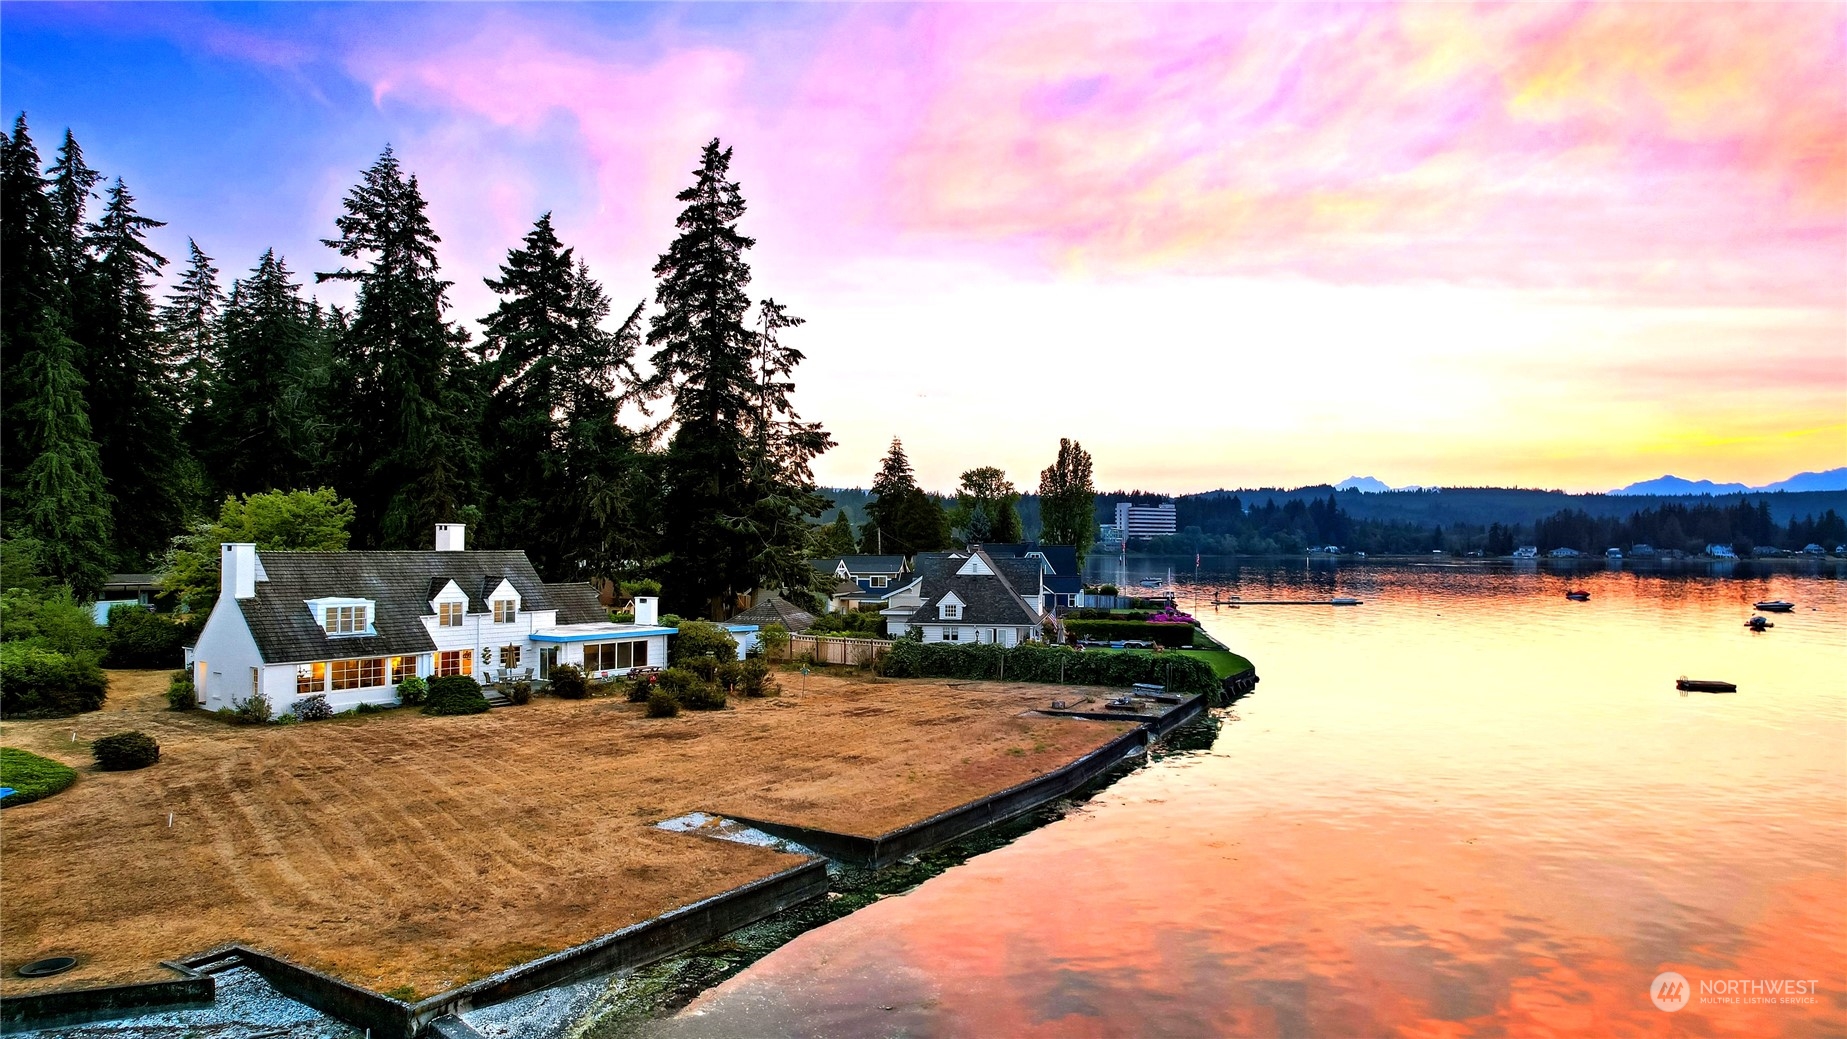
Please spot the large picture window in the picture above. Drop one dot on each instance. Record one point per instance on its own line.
(449, 614)
(358, 674)
(615, 656)
(455, 662)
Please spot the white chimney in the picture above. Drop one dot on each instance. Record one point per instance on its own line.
(647, 609)
(238, 566)
(449, 537)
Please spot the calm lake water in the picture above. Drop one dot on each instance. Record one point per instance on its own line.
(1468, 807)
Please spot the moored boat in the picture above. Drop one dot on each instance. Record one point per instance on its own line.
(1577, 596)
(1705, 685)
(1343, 601)
(1774, 606)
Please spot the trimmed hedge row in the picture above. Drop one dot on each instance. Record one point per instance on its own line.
(1036, 662)
(1172, 636)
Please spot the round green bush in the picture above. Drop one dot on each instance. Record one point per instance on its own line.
(38, 683)
(455, 694)
(519, 692)
(702, 639)
(32, 778)
(125, 751)
(313, 708)
(568, 682)
(639, 688)
(661, 704)
(754, 677)
(412, 691)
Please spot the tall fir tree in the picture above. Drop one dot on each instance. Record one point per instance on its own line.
(265, 427)
(29, 285)
(59, 500)
(73, 186)
(1068, 500)
(133, 413)
(561, 473)
(405, 426)
(902, 518)
(782, 492)
(728, 500)
(189, 325)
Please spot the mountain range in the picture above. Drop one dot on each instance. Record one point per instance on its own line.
(1831, 480)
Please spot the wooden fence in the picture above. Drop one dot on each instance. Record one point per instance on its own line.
(824, 650)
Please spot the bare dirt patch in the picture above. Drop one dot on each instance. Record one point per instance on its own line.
(402, 850)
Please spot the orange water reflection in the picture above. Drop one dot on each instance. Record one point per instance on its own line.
(1468, 808)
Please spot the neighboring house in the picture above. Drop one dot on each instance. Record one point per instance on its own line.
(975, 597)
(351, 625)
(137, 588)
(863, 581)
(1527, 552)
(1642, 550)
(1564, 553)
(1721, 552)
(774, 609)
(1063, 581)
(1612, 553)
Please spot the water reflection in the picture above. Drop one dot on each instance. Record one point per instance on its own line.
(1469, 807)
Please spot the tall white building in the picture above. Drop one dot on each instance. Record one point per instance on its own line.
(1145, 521)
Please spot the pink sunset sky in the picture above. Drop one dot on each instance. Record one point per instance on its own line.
(1547, 245)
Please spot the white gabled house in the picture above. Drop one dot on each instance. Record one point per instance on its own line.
(351, 625)
(976, 597)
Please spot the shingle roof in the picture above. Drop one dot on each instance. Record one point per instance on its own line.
(1061, 558)
(576, 603)
(401, 583)
(776, 610)
(985, 599)
(861, 564)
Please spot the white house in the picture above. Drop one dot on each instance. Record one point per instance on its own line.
(351, 625)
(975, 597)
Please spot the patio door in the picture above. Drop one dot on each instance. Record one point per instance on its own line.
(548, 659)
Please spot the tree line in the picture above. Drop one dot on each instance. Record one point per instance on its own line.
(128, 417)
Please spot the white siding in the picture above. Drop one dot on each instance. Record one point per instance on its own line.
(225, 653)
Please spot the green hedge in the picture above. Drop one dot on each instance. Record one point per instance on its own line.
(1036, 662)
(455, 694)
(38, 683)
(141, 638)
(31, 777)
(1171, 635)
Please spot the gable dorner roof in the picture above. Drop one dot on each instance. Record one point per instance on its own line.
(1061, 559)
(401, 584)
(986, 598)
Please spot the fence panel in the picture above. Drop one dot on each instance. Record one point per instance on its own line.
(824, 650)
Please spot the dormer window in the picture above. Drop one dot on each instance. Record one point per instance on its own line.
(505, 610)
(342, 616)
(880, 582)
(449, 614)
(952, 611)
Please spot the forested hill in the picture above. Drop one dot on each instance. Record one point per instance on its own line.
(1481, 506)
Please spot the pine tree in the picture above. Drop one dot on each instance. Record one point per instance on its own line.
(405, 444)
(133, 414)
(29, 286)
(1068, 500)
(264, 426)
(562, 475)
(73, 185)
(59, 500)
(986, 510)
(737, 495)
(189, 326)
(901, 517)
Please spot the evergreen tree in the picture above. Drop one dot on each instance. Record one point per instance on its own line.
(29, 287)
(1068, 500)
(737, 496)
(835, 539)
(264, 424)
(563, 477)
(986, 509)
(59, 500)
(133, 415)
(73, 185)
(901, 517)
(189, 325)
(405, 444)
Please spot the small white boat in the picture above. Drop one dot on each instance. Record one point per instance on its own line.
(1343, 601)
(1151, 582)
(1774, 606)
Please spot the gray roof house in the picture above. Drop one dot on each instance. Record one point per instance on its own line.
(863, 581)
(1063, 580)
(976, 597)
(351, 625)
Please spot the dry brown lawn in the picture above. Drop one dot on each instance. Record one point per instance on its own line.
(402, 850)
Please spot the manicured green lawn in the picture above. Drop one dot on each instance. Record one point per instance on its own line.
(31, 776)
(1224, 663)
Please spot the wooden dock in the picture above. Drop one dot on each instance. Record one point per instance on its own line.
(1288, 602)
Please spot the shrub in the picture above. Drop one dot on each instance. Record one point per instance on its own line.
(32, 778)
(705, 667)
(313, 708)
(568, 682)
(50, 620)
(730, 674)
(850, 623)
(519, 692)
(40, 683)
(181, 696)
(455, 694)
(773, 639)
(754, 678)
(370, 708)
(692, 692)
(287, 718)
(125, 751)
(140, 638)
(254, 711)
(639, 688)
(1034, 662)
(412, 691)
(661, 704)
(702, 639)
